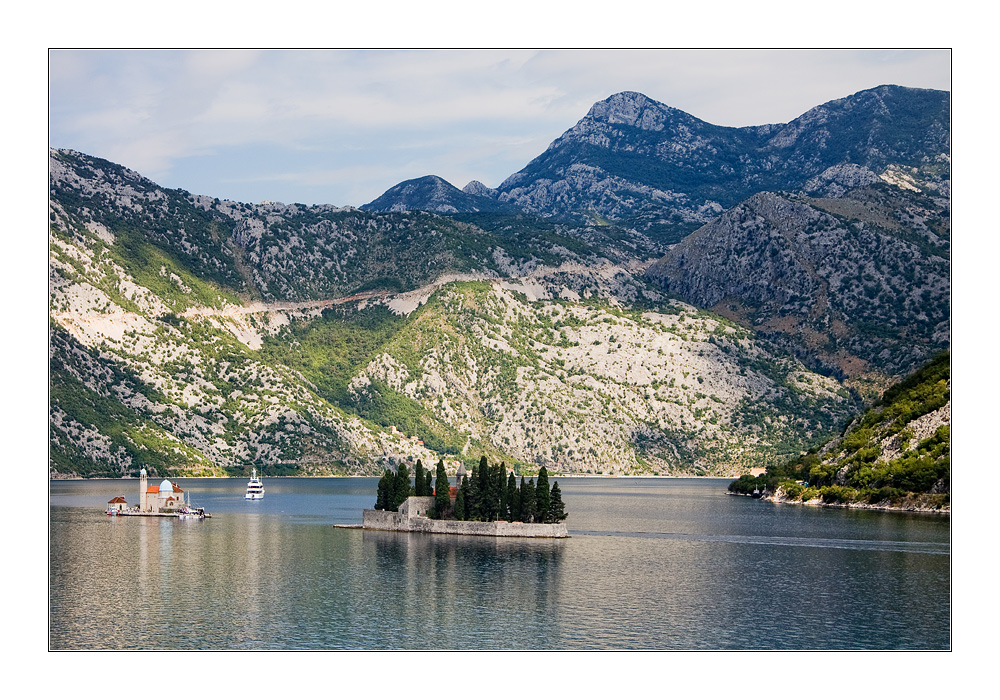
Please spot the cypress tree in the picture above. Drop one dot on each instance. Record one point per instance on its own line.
(504, 507)
(500, 492)
(442, 496)
(542, 497)
(480, 491)
(472, 497)
(487, 494)
(401, 489)
(557, 509)
(463, 490)
(520, 502)
(386, 485)
(528, 501)
(418, 479)
(513, 507)
(428, 482)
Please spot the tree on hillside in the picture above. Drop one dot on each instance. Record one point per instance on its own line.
(442, 496)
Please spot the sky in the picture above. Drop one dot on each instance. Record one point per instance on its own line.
(342, 126)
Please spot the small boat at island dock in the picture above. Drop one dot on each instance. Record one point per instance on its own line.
(255, 487)
(183, 514)
(193, 514)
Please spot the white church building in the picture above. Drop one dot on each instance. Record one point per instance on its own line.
(165, 498)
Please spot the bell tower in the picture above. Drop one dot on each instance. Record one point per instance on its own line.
(142, 490)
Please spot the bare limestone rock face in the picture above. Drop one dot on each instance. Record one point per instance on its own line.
(833, 280)
(586, 389)
(248, 232)
(836, 180)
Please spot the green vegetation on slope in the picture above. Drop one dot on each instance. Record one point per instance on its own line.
(877, 460)
(99, 420)
(331, 350)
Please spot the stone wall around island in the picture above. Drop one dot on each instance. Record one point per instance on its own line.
(405, 522)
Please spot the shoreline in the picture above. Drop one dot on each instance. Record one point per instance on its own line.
(854, 505)
(375, 476)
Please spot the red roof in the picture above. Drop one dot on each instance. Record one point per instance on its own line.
(156, 489)
(118, 499)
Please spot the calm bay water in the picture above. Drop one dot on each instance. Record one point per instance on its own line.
(651, 564)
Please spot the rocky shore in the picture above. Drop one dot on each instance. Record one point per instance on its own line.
(914, 503)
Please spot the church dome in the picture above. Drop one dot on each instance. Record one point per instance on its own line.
(166, 486)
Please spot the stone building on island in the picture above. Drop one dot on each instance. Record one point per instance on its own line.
(412, 517)
(117, 504)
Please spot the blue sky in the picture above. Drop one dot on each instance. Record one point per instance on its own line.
(341, 127)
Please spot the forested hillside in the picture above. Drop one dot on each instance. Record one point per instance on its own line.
(896, 455)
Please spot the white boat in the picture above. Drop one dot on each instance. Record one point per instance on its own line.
(255, 487)
(188, 512)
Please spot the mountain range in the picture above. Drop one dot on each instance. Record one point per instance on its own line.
(652, 294)
(639, 163)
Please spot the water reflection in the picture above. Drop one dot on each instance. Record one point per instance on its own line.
(500, 591)
(662, 565)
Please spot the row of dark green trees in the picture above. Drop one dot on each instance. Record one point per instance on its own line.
(489, 494)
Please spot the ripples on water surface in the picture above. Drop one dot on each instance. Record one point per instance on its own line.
(651, 564)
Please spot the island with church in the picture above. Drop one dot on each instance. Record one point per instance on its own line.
(167, 500)
(489, 502)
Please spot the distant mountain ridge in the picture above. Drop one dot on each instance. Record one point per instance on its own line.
(281, 252)
(434, 194)
(642, 164)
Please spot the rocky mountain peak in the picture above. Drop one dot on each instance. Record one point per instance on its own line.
(632, 109)
(435, 194)
(479, 189)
